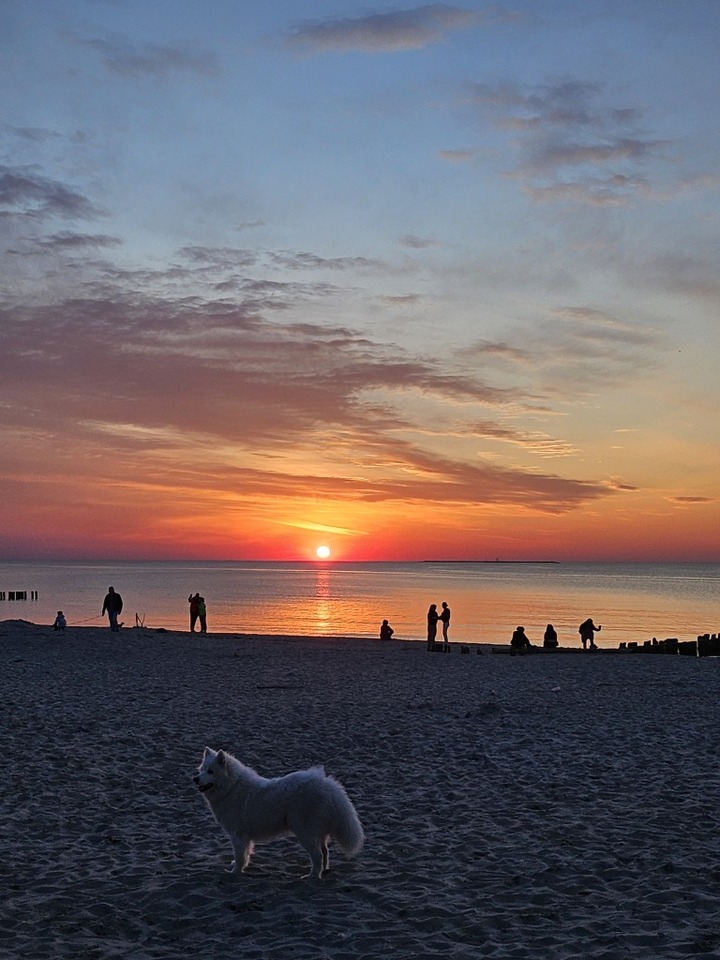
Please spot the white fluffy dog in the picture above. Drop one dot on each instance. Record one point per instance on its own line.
(250, 809)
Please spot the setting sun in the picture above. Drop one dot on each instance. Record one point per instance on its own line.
(323, 553)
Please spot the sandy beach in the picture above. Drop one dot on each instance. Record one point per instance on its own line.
(514, 807)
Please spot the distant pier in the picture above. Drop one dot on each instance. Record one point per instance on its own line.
(19, 595)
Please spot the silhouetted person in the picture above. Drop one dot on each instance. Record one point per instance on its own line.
(432, 622)
(550, 638)
(519, 642)
(587, 631)
(60, 621)
(113, 604)
(194, 601)
(445, 620)
(386, 631)
(202, 614)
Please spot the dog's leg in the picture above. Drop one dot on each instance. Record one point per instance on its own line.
(316, 850)
(242, 851)
(325, 854)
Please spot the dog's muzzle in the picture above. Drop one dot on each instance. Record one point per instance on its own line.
(202, 787)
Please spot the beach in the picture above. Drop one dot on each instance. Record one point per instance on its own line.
(514, 807)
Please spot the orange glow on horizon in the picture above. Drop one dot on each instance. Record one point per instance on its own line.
(165, 517)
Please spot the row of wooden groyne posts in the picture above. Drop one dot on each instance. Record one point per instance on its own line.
(19, 595)
(706, 645)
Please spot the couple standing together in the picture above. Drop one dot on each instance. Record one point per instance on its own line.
(432, 621)
(198, 611)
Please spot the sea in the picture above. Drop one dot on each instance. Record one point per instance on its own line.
(632, 601)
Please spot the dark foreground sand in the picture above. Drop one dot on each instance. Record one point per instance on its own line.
(538, 807)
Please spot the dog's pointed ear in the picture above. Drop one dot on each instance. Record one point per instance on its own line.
(207, 751)
(221, 757)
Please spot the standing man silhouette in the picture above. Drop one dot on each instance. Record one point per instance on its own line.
(194, 601)
(445, 620)
(587, 633)
(113, 603)
(432, 622)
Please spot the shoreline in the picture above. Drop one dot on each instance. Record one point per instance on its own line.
(459, 647)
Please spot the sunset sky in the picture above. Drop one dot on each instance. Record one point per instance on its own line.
(408, 281)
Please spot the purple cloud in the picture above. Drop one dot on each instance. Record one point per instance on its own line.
(132, 61)
(67, 240)
(569, 145)
(410, 29)
(258, 387)
(26, 194)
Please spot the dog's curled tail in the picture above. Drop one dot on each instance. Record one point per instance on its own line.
(347, 830)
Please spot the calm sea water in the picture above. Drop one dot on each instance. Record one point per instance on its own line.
(488, 600)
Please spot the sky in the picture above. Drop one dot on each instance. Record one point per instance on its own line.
(407, 281)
